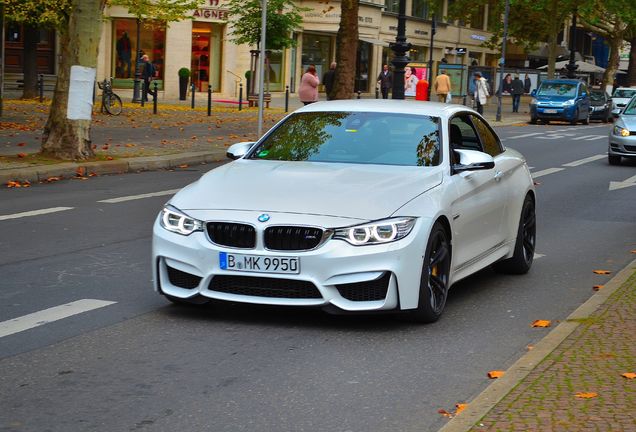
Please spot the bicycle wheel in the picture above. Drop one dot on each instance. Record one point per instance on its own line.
(112, 103)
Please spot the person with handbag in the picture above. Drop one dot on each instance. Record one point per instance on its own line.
(481, 94)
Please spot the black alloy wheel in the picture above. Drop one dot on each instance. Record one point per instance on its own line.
(523, 256)
(575, 118)
(435, 277)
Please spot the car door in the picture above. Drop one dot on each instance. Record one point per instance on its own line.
(480, 197)
(583, 98)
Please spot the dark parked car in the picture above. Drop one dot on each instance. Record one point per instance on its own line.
(561, 99)
(601, 106)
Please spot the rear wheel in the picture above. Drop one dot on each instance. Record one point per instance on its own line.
(113, 104)
(435, 277)
(533, 120)
(613, 159)
(523, 256)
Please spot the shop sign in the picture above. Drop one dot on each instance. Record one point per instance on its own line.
(209, 13)
(478, 37)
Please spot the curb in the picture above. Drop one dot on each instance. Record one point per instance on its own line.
(147, 163)
(495, 392)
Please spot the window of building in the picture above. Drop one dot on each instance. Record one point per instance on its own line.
(477, 18)
(152, 42)
(392, 6)
(494, 15)
(419, 8)
(363, 60)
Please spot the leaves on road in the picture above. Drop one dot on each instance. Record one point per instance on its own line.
(541, 323)
(494, 374)
(602, 272)
(586, 395)
(459, 407)
(629, 375)
(598, 287)
(17, 184)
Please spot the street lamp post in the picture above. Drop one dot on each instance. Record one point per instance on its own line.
(503, 58)
(430, 57)
(137, 81)
(572, 66)
(400, 48)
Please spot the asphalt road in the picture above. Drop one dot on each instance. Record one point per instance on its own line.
(125, 359)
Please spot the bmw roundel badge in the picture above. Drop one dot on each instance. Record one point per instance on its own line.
(263, 218)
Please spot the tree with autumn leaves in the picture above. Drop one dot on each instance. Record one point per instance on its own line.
(79, 27)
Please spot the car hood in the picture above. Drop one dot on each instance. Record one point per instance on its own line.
(629, 121)
(622, 101)
(364, 192)
(559, 99)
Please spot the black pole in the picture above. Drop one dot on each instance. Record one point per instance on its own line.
(144, 94)
(503, 59)
(400, 59)
(430, 56)
(377, 92)
(154, 101)
(41, 86)
(240, 96)
(193, 88)
(358, 94)
(572, 66)
(209, 101)
(286, 98)
(137, 80)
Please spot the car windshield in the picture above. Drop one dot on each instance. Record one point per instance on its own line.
(624, 93)
(354, 137)
(557, 89)
(630, 109)
(597, 96)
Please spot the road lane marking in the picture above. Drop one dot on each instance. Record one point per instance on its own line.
(526, 135)
(546, 172)
(588, 137)
(538, 255)
(34, 213)
(584, 161)
(46, 316)
(625, 183)
(140, 196)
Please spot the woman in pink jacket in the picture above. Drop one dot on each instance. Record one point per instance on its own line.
(308, 90)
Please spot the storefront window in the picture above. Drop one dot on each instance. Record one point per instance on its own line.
(418, 54)
(363, 61)
(316, 51)
(152, 40)
(206, 56)
(276, 67)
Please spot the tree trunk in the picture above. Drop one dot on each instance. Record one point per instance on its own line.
(614, 58)
(30, 70)
(64, 138)
(552, 37)
(631, 69)
(346, 51)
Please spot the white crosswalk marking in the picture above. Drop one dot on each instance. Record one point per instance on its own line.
(588, 137)
(140, 196)
(584, 161)
(34, 213)
(45, 316)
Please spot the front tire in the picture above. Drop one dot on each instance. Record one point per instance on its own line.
(113, 104)
(435, 277)
(575, 118)
(523, 256)
(613, 159)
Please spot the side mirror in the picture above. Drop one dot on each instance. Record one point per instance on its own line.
(472, 160)
(238, 150)
(616, 112)
(533, 93)
(584, 94)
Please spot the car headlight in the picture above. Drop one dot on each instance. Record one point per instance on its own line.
(621, 131)
(533, 102)
(178, 222)
(384, 231)
(568, 102)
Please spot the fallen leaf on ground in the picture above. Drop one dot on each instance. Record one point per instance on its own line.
(444, 413)
(633, 251)
(495, 374)
(460, 407)
(109, 158)
(541, 323)
(80, 171)
(586, 395)
(529, 347)
(598, 287)
(183, 166)
(602, 272)
(22, 155)
(53, 179)
(629, 375)
(130, 145)
(21, 144)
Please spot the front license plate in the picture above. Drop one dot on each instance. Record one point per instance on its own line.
(259, 263)
(550, 111)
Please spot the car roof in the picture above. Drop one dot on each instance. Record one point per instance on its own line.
(562, 81)
(433, 109)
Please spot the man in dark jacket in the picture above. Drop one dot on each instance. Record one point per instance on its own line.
(328, 79)
(517, 91)
(385, 80)
(147, 73)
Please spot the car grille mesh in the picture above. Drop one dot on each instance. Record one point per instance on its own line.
(366, 291)
(265, 287)
(182, 279)
(232, 234)
(288, 238)
(630, 148)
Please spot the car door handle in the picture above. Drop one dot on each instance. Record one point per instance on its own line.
(498, 175)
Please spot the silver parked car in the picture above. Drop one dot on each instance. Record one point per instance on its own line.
(622, 138)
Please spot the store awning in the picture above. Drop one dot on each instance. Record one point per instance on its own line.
(582, 67)
(374, 41)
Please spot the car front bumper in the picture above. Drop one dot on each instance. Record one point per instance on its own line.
(552, 112)
(336, 274)
(622, 146)
(599, 113)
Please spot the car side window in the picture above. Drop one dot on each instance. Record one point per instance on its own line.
(462, 133)
(489, 141)
(582, 88)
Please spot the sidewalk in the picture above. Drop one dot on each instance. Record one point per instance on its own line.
(580, 377)
(140, 140)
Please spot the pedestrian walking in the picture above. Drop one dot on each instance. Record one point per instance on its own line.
(442, 86)
(517, 89)
(308, 89)
(329, 78)
(421, 90)
(481, 94)
(147, 74)
(385, 81)
(527, 84)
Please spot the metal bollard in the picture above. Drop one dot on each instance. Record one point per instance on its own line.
(144, 92)
(358, 94)
(377, 92)
(240, 96)
(286, 98)
(193, 88)
(41, 87)
(154, 101)
(209, 101)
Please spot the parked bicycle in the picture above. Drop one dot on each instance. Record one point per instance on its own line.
(111, 103)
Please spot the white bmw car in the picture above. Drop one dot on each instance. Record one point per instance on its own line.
(353, 205)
